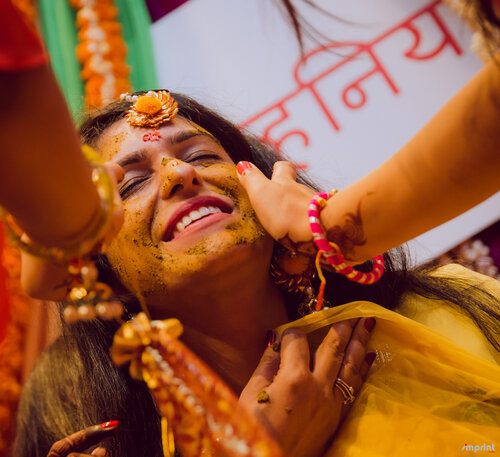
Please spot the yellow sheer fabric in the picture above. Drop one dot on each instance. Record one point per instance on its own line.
(424, 396)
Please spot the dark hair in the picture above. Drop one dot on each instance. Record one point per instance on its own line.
(75, 384)
(478, 13)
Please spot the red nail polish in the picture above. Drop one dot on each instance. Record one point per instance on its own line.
(370, 357)
(242, 166)
(271, 337)
(109, 424)
(370, 323)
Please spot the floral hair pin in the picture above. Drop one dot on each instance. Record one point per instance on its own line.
(151, 109)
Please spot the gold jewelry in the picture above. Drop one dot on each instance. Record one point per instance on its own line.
(89, 298)
(346, 390)
(294, 273)
(86, 244)
(291, 271)
(151, 109)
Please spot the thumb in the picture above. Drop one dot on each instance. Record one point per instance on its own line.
(263, 375)
(252, 179)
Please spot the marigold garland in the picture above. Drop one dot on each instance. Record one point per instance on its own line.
(101, 50)
(12, 347)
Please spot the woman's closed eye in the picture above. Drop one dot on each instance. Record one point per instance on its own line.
(203, 155)
(132, 185)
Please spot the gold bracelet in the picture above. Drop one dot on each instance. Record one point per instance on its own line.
(92, 240)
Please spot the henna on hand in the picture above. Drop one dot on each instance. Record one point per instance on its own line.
(350, 234)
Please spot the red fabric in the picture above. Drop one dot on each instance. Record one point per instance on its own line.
(4, 302)
(20, 45)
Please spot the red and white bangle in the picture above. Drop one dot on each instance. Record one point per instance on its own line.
(331, 252)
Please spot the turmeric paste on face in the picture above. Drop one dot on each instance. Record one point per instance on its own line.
(149, 266)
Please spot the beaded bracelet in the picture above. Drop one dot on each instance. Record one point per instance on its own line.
(104, 186)
(331, 251)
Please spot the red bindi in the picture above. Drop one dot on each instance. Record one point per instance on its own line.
(153, 135)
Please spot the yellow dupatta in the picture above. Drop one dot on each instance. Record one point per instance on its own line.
(424, 396)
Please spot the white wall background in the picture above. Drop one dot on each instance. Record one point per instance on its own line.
(240, 57)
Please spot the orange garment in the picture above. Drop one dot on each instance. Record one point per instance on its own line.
(20, 45)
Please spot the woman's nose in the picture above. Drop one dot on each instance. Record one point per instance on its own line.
(178, 176)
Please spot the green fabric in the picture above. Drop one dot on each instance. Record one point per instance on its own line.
(134, 16)
(58, 25)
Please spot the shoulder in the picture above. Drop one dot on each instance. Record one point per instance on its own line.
(448, 318)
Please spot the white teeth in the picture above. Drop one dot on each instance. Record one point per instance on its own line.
(193, 216)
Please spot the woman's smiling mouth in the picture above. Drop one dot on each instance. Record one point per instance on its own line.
(196, 214)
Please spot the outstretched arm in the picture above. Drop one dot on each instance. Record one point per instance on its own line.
(45, 182)
(451, 165)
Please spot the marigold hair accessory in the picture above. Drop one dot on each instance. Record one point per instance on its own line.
(346, 390)
(331, 252)
(151, 109)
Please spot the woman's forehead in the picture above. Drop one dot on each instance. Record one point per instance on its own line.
(120, 137)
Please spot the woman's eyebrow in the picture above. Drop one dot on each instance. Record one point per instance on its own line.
(185, 135)
(135, 157)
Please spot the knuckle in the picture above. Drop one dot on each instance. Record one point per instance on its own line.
(297, 378)
(59, 448)
(363, 337)
(343, 330)
(352, 368)
(337, 347)
(293, 333)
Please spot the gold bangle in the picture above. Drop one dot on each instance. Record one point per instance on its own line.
(90, 241)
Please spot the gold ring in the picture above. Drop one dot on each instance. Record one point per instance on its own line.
(346, 390)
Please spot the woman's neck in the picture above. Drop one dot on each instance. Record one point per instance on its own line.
(230, 336)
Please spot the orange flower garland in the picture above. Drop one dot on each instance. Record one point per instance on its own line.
(101, 51)
(12, 347)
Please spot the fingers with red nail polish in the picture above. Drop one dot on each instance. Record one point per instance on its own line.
(82, 440)
(243, 166)
(370, 323)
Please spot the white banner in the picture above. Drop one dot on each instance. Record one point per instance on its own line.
(347, 106)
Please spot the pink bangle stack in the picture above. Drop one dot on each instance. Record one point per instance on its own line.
(331, 251)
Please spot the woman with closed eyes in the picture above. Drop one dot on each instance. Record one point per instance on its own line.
(204, 207)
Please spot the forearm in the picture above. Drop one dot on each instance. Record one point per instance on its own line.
(45, 182)
(450, 166)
